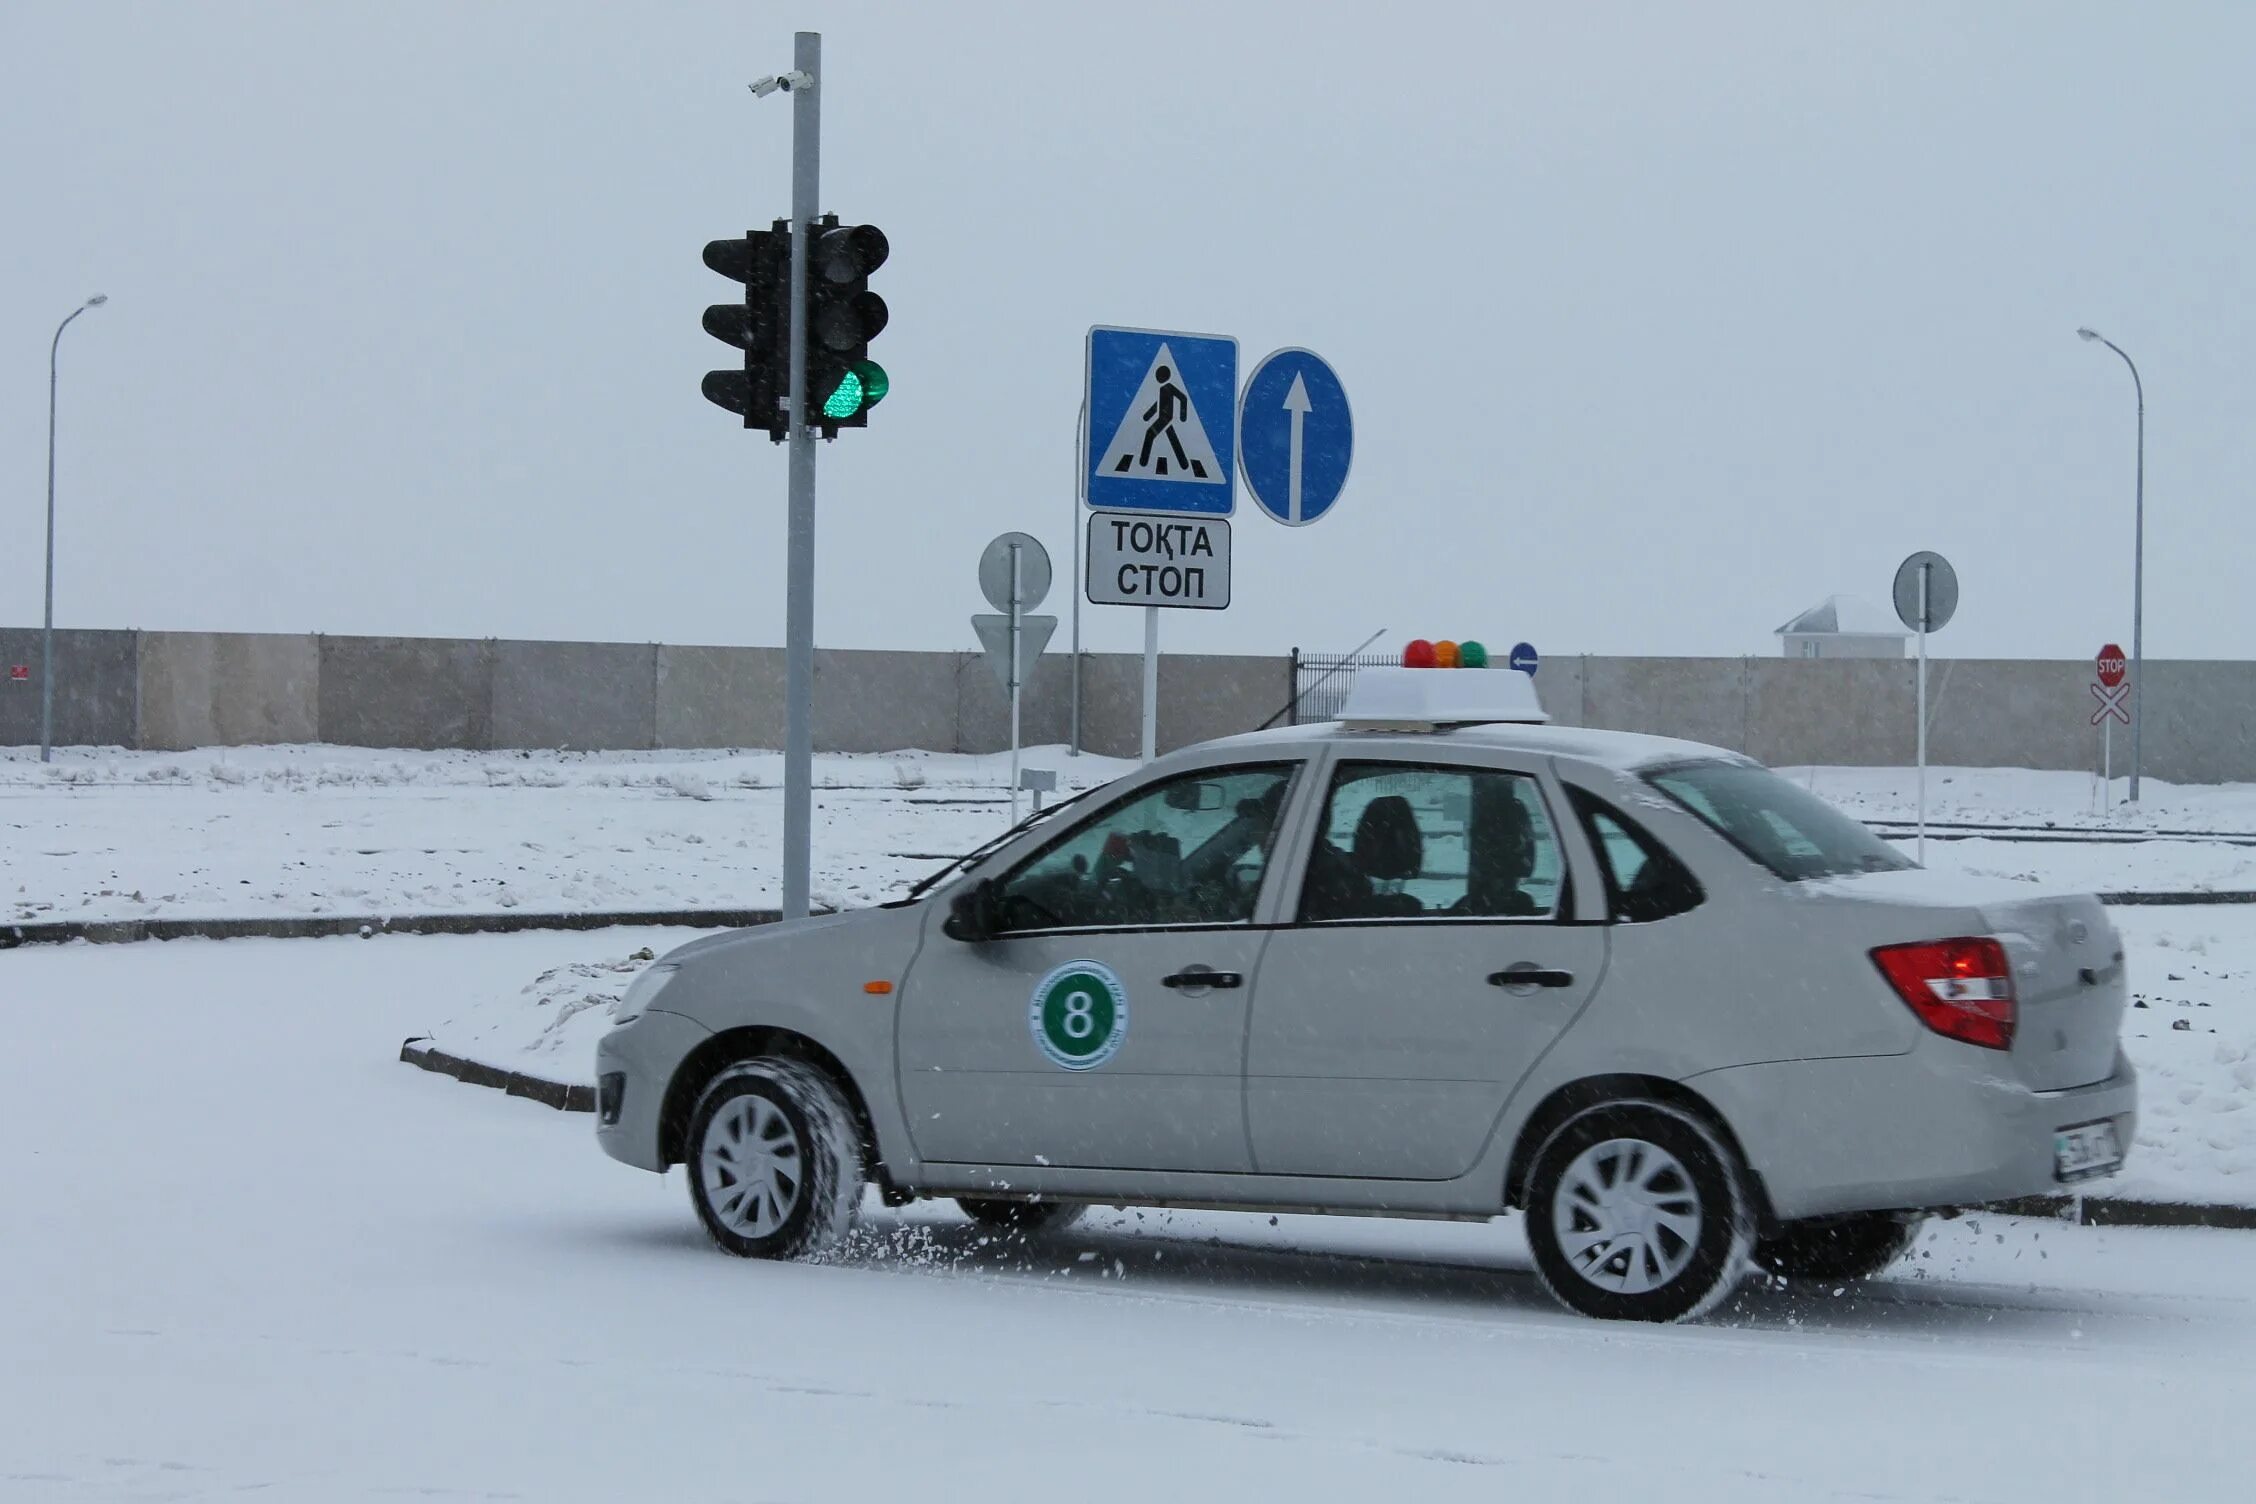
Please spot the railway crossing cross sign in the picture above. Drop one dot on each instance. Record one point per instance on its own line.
(2110, 703)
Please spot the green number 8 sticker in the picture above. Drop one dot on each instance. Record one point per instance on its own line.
(1079, 1015)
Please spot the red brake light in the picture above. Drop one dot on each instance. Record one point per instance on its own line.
(1962, 989)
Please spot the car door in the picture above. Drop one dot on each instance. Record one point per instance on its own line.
(1104, 1025)
(1434, 953)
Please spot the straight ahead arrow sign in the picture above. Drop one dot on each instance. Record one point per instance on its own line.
(1296, 403)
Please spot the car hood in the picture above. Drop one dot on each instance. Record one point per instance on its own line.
(782, 932)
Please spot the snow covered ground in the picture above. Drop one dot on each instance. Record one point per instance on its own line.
(233, 832)
(249, 1254)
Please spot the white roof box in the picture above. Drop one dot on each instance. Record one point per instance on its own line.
(1423, 699)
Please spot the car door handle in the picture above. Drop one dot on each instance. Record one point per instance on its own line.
(1199, 976)
(1527, 974)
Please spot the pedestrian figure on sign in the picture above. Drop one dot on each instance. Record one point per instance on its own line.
(1160, 418)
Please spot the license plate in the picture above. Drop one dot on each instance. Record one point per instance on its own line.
(2085, 1150)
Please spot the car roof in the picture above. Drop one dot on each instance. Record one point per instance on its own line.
(1622, 750)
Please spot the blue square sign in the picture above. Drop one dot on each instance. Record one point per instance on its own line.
(1162, 422)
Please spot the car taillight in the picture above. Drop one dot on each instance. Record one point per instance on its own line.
(1962, 989)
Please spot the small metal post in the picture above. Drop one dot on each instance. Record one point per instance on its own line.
(1292, 688)
(1926, 575)
(1151, 683)
(799, 526)
(1080, 475)
(1016, 607)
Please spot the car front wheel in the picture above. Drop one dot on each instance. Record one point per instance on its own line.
(1637, 1212)
(775, 1168)
(1857, 1246)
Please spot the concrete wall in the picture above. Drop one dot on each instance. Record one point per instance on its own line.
(177, 690)
(227, 689)
(575, 695)
(406, 692)
(97, 674)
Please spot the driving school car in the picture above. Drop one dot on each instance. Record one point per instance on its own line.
(1438, 958)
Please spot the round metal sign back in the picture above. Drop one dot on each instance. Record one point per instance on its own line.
(1942, 591)
(1033, 571)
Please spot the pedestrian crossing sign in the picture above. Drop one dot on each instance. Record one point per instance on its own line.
(1162, 415)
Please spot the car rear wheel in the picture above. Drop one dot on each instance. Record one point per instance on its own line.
(775, 1161)
(1637, 1212)
(1857, 1246)
(1021, 1216)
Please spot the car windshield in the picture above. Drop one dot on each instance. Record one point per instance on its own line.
(1789, 830)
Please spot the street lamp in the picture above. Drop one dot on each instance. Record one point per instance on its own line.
(47, 633)
(2138, 569)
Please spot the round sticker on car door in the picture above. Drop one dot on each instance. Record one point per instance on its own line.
(1078, 1015)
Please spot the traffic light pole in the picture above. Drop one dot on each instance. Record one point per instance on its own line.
(799, 553)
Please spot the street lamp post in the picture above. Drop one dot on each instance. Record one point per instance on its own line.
(2138, 569)
(47, 631)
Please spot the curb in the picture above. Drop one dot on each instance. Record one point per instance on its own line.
(416, 1051)
(2086, 1211)
(319, 926)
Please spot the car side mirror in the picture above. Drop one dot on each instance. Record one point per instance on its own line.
(974, 914)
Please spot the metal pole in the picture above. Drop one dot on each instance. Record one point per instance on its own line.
(1926, 575)
(47, 631)
(799, 528)
(1080, 474)
(1015, 608)
(2138, 591)
(1151, 682)
(2138, 571)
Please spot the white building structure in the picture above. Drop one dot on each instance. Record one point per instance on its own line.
(1845, 626)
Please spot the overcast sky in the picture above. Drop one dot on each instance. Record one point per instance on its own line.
(1660, 321)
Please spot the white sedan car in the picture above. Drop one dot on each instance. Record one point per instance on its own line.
(1437, 959)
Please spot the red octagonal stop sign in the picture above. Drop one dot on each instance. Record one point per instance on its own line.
(2111, 665)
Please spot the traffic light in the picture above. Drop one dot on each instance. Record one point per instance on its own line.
(843, 316)
(760, 326)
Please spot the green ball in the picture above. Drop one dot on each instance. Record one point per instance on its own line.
(1472, 655)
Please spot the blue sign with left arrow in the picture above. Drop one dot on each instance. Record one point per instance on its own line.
(1295, 436)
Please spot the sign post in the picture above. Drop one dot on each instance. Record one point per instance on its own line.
(2109, 669)
(1014, 573)
(1926, 594)
(1162, 441)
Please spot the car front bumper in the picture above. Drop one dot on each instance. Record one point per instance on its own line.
(1906, 1132)
(633, 1064)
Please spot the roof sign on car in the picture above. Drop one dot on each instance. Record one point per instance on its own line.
(1414, 699)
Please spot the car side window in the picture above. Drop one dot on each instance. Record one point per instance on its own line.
(1189, 850)
(1408, 842)
(1644, 879)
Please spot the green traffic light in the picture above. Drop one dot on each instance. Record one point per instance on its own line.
(846, 399)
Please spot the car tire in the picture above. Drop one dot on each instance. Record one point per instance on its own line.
(1857, 1246)
(1027, 1217)
(1637, 1211)
(775, 1161)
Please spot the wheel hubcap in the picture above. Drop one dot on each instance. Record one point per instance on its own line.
(1627, 1216)
(752, 1166)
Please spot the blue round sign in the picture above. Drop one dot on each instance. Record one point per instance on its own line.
(1523, 658)
(1295, 436)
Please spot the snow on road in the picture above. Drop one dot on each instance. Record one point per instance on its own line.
(249, 1253)
(235, 832)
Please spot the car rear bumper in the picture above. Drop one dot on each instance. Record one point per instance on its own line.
(633, 1064)
(1932, 1128)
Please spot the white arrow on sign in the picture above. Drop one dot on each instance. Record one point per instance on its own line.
(1296, 403)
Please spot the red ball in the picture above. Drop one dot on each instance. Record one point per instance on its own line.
(1418, 653)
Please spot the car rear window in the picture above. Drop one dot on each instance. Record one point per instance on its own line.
(1789, 830)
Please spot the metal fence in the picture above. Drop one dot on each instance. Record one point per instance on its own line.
(1321, 681)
